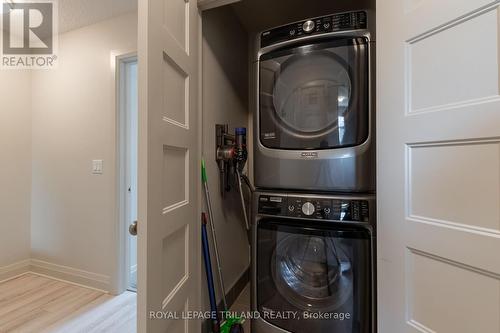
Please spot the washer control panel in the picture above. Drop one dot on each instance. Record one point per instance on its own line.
(272, 205)
(337, 22)
(316, 208)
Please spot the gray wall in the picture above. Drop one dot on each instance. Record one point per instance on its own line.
(225, 100)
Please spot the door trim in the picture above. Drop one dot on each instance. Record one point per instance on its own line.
(120, 277)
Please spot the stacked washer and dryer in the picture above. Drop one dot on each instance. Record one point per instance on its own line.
(313, 236)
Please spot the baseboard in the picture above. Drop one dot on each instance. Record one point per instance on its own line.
(72, 275)
(236, 289)
(15, 269)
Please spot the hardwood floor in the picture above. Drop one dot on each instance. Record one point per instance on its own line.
(34, 304)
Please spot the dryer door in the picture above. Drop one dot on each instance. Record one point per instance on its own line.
(315, 96)
(320, 272)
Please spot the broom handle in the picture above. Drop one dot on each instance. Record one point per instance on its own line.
(210, 278)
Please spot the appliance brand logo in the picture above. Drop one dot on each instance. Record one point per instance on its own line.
(29, 34)
(270, 135)
(309, 154)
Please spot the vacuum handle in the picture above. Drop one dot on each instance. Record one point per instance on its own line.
(240, 154)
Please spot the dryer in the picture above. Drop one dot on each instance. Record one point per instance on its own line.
(315, 117)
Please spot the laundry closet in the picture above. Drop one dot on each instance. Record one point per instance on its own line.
(350, 149)
(230, 90)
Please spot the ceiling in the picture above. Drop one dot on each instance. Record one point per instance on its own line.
(259, 15)
(74, 14)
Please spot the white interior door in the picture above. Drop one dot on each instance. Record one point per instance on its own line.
(438, 166)
(169, 164)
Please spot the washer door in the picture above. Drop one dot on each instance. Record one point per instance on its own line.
(312, 272)
(320, 269)
(315, 96)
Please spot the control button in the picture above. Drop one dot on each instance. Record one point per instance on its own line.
(308, 26)
(326, 25)
(327, 211)
(292, 32)
(308, 208)
(291, 208)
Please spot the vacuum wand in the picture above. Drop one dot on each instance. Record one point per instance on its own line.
(240, 158)
(214, 235)
(243, 206)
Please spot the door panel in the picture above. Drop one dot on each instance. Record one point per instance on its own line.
(426, 15)
(439, 196)
(168, 230)
(438, 166)
(175, 94)
(448, 59)
(176, 21)
(450, 285)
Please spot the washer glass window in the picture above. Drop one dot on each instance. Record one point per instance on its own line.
(319, 269)
(315, 96)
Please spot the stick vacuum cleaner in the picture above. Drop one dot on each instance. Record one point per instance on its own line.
(230, 324)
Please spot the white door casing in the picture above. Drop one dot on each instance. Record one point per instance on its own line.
(169, 164)
(438, 147)
(130, 91)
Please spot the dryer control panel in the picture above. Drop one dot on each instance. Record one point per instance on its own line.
(331, 23)
(335, 209)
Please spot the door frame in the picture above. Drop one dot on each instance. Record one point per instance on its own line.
(120, 275)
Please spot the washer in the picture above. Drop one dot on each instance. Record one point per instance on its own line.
(313, 267)
(315, 117)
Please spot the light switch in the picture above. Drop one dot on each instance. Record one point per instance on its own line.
(97, 167)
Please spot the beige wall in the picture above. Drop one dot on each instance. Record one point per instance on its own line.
(15, 164)
(225, 100)
(73, 212)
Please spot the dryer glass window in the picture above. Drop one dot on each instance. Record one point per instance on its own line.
(312, 93)
(325, 272)
(315, 96)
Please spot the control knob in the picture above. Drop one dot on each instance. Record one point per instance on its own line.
(308, 26)
(308, 209)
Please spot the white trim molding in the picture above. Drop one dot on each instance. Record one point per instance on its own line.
(70, 274)
(15, 269)
(120, 276)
